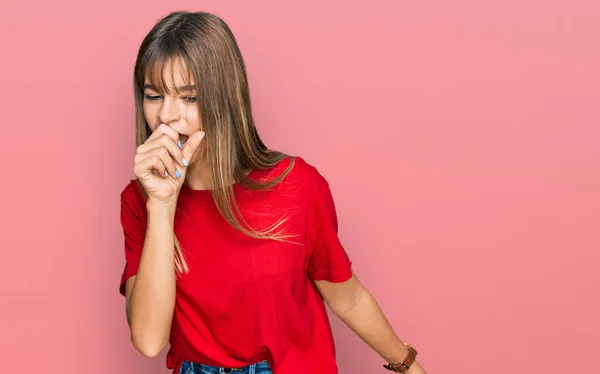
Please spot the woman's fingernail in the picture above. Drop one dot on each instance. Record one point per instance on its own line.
(177, 173)
(166, 173)
(179, 144)
(185, 162)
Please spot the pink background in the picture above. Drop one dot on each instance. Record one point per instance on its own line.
(460, 140)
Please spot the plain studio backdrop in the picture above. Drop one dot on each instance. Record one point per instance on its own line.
(460, 139)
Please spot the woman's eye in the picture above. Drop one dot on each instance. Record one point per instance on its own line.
(190, 99)
(153, 97)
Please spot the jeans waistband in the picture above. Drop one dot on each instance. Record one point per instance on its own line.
(195, 368)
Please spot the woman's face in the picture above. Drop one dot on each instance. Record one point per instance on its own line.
(178, 109)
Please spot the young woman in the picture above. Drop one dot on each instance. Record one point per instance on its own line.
(231, 248)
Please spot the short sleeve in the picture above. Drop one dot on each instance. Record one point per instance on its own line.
(133, 221)
(328, 260)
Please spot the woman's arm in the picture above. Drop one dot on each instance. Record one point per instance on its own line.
(151, 293)
(355, 306)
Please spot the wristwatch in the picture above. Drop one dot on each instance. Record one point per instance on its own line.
(404, 365)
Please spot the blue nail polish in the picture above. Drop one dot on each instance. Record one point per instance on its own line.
(179, 144)
(166, 173)
(177, 173)
(185, 162)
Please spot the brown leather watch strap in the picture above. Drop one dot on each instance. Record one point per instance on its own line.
(404, 365)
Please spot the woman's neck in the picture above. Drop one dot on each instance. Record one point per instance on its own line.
(199, 177)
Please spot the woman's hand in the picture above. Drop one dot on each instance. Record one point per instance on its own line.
(161, 166)
(415, 368)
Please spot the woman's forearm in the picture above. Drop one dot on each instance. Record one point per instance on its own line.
(152, 298)
(367, 320)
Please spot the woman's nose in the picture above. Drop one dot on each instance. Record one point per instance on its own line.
(169, 112)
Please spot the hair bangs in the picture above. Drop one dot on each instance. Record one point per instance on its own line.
(155, 68)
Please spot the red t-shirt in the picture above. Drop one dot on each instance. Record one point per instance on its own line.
(246, 300)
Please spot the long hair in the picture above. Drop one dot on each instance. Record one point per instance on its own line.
(207, 47)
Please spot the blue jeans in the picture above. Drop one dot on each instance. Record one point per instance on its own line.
(194, 368)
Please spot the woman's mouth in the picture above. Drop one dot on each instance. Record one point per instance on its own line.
(183, 139)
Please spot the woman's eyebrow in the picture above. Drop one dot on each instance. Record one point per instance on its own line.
(190, 87)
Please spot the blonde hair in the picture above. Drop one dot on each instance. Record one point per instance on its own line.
(207, 47)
